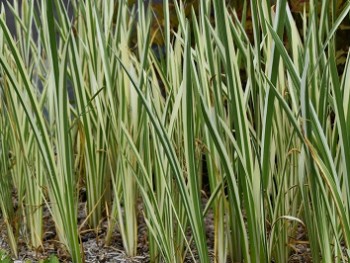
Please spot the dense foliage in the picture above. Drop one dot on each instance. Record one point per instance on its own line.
(235, 109)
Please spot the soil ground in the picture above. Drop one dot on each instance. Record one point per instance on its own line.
(96, 251)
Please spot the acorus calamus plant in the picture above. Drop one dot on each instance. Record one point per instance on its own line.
(220, 127)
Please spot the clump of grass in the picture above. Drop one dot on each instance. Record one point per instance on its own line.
(265, 119)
